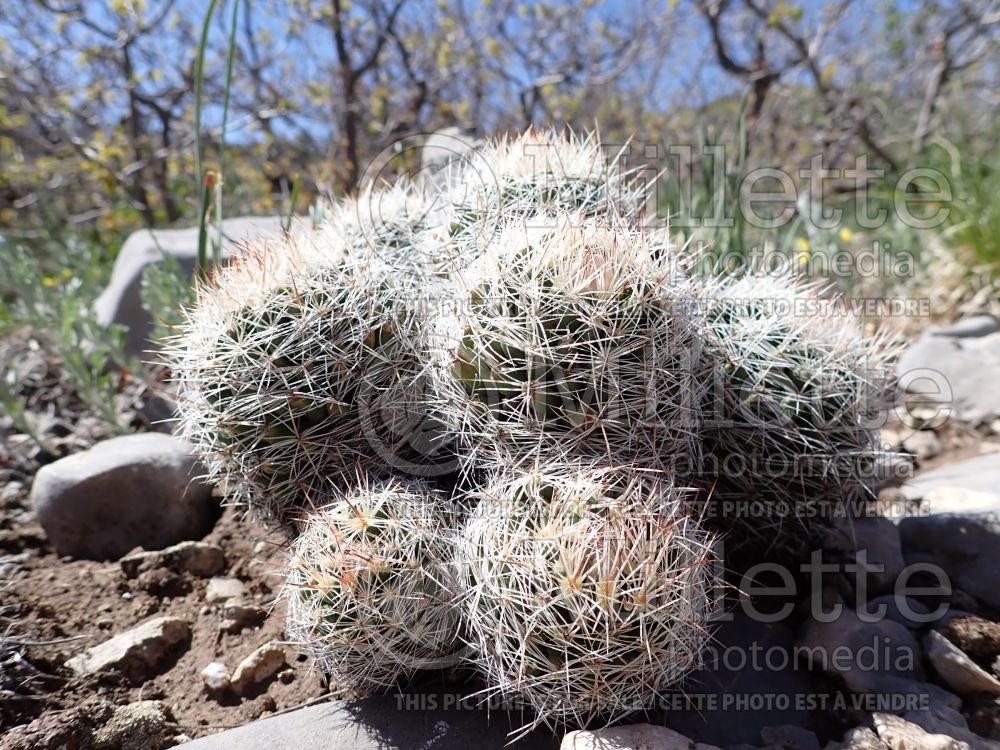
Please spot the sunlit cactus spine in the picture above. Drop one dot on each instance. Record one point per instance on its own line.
(370, 584)
(570, 339)
(293, 368)
(587, 592)
(791, 423)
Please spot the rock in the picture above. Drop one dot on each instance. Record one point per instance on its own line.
(956, 366)
(969, 488)
(964, 548)
(442, 148)
(913, 618)
(975, 636)
(790, 738)
(710, 716)
(59, 730)
(972, 327)
(121, 302)
(984, 716)
(259, 667)
(216, 677)
(131, 491)
(862, 653)
(197, 558)
(861, 738)
(239, 615)
(382, 722)
(630, 737)
(223, 589)
(954, 727)
(136, 726)
(900, 734)
(878, 539)
(135, 653)
(923, 444)
(957, 670)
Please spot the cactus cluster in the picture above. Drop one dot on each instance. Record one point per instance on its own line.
(495, 412)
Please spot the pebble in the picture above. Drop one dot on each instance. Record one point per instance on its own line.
(956, 669)
(258, 667)
(136, 652)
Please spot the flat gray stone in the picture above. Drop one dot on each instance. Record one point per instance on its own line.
(957, 670)
(197, 558)
(381, 723)
(956, 366)
(131, 491)
(631, 737)
(711, 718)
(970, 488)
(121, 301)
(136, 653)
(844, 648)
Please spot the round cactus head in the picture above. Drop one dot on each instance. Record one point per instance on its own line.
(293, 369)
(570, 339)
(369, 585)
(791, 425)
(587, 592)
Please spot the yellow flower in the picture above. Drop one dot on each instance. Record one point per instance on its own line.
(801, 250)
(49, 281)
(846, 235)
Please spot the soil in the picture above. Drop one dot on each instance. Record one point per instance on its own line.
(62, 606)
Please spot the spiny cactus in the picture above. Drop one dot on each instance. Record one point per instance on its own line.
(791, 425)
(370, 586)
(510, 179)
(587, 592)
(295, 366)
(569, 339)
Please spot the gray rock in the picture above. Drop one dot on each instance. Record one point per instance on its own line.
(239, 615)
(131, 491)
(969, 488)
(631, 737)
(121, 301)
(262, 665)
(967, 549)
(900, 734)
(957, 670)
(441, 149)
(862, 653)
(878, 538)
(136, 726)
(712, 718)
(216, 677)
(790, 738)
(201, 559)
(953, 726)
(221, 590)
(923, 444)
(135, 653)
(861, 738)
(974, 327)
(956, 367)
(382, 723)
(912, 619)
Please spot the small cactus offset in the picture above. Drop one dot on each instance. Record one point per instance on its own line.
(791, 425)
(570, 339)
(370, 585)
(587, 592)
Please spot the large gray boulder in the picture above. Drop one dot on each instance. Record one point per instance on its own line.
(382, 723)
(131, 491)
(967, 488)
(957, 366)
(121, 301)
